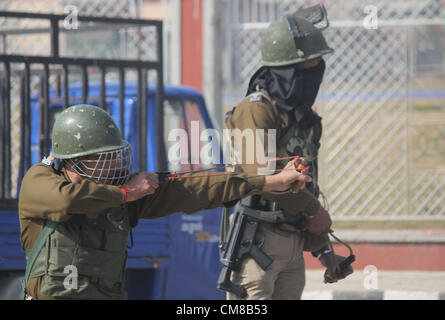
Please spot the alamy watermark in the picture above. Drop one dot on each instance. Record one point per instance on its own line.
(70, 282)
(235, 146)
(71, 22)
(371, 21)
(371, 280)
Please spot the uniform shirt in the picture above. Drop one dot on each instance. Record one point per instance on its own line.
(258, 111)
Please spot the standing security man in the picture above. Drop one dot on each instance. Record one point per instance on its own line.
(77, 215)
(280, 96)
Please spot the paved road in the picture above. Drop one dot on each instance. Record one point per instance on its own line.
(378, 284)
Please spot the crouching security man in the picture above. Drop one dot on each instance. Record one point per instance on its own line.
(79, 213)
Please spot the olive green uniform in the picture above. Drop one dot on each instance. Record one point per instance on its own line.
(285, 277)
(93, 226)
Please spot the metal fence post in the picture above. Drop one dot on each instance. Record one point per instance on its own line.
(212, 64)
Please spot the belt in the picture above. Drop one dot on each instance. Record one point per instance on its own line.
(278, 218)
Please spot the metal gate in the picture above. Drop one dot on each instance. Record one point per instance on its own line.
(382, 101)
(57, 70)
(31, 37)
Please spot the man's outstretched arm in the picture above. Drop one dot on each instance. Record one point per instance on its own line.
(190, 195)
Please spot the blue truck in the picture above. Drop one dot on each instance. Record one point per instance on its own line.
(175, 257)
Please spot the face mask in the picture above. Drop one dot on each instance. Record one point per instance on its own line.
(111, 168)
(310, 84)
(293, 89)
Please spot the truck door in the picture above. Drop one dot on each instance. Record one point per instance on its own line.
(194, 257)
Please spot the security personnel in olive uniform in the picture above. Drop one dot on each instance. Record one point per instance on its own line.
(78, 213)
(280, 96)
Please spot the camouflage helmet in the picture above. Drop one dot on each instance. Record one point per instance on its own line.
(294, 38)
(89, 142)
(83, 130)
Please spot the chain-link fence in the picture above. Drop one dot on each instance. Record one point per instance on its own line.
(382, 101)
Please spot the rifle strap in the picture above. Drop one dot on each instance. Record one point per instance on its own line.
(49, 228)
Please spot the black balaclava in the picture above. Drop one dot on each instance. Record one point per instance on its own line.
(292, 88)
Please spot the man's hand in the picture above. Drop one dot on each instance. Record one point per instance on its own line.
(332, 275)
(287, 178)
(320, 222)
(141, 185)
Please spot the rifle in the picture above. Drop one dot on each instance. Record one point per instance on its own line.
(240, 243)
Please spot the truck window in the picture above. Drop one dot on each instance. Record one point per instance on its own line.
(185, 115)
(174, 118)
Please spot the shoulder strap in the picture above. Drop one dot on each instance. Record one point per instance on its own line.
(49, 228)
(258, 95)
